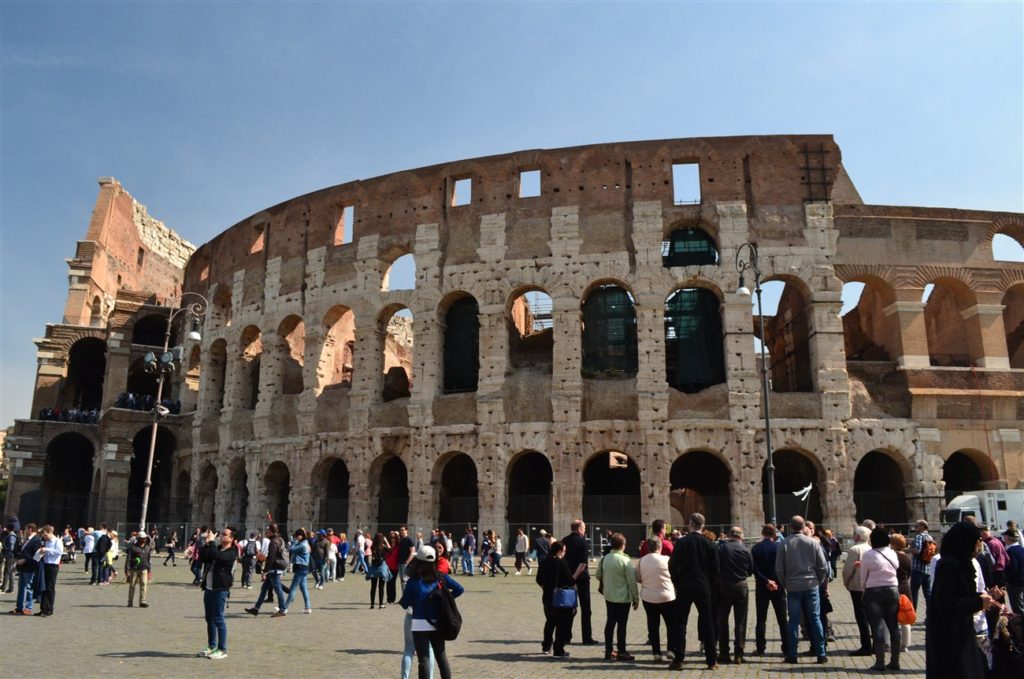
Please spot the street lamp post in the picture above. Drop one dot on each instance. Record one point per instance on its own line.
(749, 250)
(163, 365)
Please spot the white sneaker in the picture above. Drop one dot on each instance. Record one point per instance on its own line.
(217, 655)
(206, 652)
(308, 611)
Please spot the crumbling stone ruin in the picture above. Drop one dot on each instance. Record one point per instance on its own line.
(567, 303)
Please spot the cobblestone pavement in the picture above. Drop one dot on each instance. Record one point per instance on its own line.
(94, 634)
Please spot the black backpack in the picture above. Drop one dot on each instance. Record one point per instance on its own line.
(449, 620)
(251, 548)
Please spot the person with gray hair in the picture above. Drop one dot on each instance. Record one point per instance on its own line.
(735, 565)
(657, 594)
(851, 580)
(802, 568)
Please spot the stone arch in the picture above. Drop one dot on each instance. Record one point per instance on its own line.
(396, 330)
(949, 334)
(251, 358)
(399, 266)
(878, 487)
(788, 335)
(455, 484)
(83, 385)
(215, 377)
(331, 478)
(206, 493)
(291, 349)
(530, 491)
(160, 500)
(149, 330)
(609, 331)
(1013, 323)
(869, 332)
(277, 481)
(966, 470)
(67, 480)
(96, 312)
(612, 498)
(1012, 229)
(699, 481)
(460, 323)
(140, 381)
(236, 502)
(220, 309)
(531, 343)
(794, 469)
(389, 478)
(694, 339)
(689, 245)
(337, 356)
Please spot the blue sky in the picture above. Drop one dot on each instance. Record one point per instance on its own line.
(208, 112)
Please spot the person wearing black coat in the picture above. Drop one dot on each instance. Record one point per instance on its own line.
(553, 573)
(951, 648)
(218, 557)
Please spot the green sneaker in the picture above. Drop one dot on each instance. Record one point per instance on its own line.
(218, 655)
(206, 652)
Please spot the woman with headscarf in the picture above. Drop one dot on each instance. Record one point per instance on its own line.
(952, 648)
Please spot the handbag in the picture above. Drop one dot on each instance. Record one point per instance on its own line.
(564, 597)
(906, 615)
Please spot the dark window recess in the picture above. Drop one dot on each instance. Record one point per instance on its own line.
(462, 346)
(609, 333)
(688, 247)
(1001, 505)
(694, 358)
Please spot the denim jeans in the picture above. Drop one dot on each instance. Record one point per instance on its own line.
(809, 603)
(272, 580)
(216, 629)
(360, 563)
(410, 651)
(299, 578)
(918, 581)
(95, 575)
(467, 562)
(25, 581)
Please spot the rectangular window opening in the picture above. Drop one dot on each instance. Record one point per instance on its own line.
(462, 194)
(343, 232)
(141, 259)
(685, 183)
(257, 243)
(529, 184)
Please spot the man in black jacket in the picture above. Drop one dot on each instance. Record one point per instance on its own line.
(99, 554)
(694, 570)
(577, 556)
(734, 567)
(218, 557)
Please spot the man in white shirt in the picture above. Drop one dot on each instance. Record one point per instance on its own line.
(88, 545)
(50, 554)
(358, 558)
(851, 578)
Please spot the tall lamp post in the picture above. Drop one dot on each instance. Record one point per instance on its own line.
(746, 259)
(163, 365)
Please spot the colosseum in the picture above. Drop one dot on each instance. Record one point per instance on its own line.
(567, 304)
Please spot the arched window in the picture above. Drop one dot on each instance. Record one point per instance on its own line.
(689, 247)
(609, 333)
(398, 355)
(401, 275)
(694, 357)
(461, 345)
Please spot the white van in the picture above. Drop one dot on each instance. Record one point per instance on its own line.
(991, 507)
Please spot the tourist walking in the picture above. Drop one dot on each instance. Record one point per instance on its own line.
(343, 547)
(485, 552)
(851, 578)
(274, 565)
(496, 551)
(735, 565)
(51, 550)
(658, 596)
(802, 568)
(417, 595)
(617, 579)
(378, 573)
(170, 546)
(218, 558)
(468, 551)
(694, 569)
(522, 548)
(250, 552)
(553, 574)
(577, 556)
(878, 577)
(299, 551)
(358, 558)
(139, 570)
(406, 550)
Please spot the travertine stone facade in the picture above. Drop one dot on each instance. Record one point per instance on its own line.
(897, 384)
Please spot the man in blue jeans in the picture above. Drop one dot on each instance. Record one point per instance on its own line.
(468, 550)
(802, 568)
(27, 571)
(919, 577)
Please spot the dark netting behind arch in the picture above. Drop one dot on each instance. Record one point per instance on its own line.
(689, 247)
(609, 333)
(462, 346)
(694, 357)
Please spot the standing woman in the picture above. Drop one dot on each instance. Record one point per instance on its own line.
(391, 561)
(172, 542)
(899, 546)
(342, 555)
(878, 569)
(496, 557)
(299, 550)
(218, 559)
(417, 595)
(485, 552)
(51, 550)
(553, 573)
(444, 566)
(956, 609)
(658, 596)
(377, 572)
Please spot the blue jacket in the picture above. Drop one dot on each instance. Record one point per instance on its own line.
(300, 553)
(417, 595)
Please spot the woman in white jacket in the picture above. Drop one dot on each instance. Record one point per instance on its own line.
(658, 595)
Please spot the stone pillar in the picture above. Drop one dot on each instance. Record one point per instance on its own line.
(423, 503)
(655, 464)
(492, 486)
(909, 335)
(115, 381)
(566, 382)
(986, 334)
(428, 361)
(314, 346)
(493, 360)
(567, 480)
(367, 378)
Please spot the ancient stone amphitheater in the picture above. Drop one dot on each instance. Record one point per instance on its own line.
(566, 304)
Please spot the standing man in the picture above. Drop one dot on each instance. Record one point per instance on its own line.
(999, 558)
(468, 550)
(28, 570)
(51, 551)
(10, 556)
(521, 548)
(802, 568)
(406, 551)
(88, 546)
(577, 556)
(1014, 570)
(358, 557)
(768, 589)
(919, 577)
(541, 546)
(99, 555)
(735, 565)
(851, 578)
(138, 569)
(694, 569)
(658, 531)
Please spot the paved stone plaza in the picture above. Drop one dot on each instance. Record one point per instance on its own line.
(93, 633)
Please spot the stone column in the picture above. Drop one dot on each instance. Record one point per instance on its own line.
(910, 339)
(986, 334)
(566, 382)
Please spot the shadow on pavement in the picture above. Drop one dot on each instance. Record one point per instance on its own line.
(146, 654)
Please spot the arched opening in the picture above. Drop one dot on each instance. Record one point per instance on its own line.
(694, 352)
(699, 482)
(398, 355)
(787, 330)
(401, 275)
(160, 501)
(277, 483)
(947, 330)
(337, 356)
(1013, 323)
(292, 347)
(458, 503)
(530, 500)
(216, 375)
(236, 508)
(461, 345)
(689, 247)
(334, 503)
(967, 470)
(220, 309)
(67, 479)
(141, 382)
(149, 330)
(252, 353)
(392, 495)
(794, 471)
(531, 332)
(878, 489)
(206, 492)
(868, 333)
(611, 499)
(609, 333)
(1006, 248)
(87, 366)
